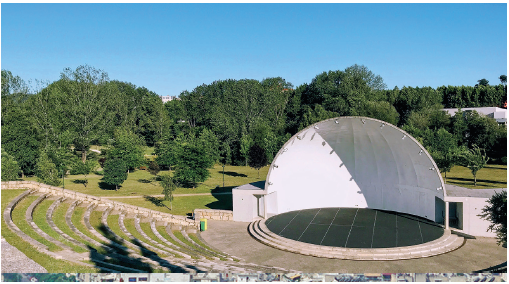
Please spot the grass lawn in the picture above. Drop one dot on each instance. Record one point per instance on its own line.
(51, 264)
(183, 205)
(141, 182)
(491, 176)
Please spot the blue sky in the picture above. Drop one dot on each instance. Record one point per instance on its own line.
(169, 48)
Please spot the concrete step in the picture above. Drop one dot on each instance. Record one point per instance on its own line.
(154, 242)
(49, 220)
(442, 245)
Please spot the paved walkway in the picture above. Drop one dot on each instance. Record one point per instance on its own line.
(14, 261)
(162, 195)
(233, 238)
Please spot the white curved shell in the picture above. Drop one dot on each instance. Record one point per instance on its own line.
(355, 162)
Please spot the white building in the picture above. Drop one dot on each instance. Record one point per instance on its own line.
(360, 162)
(168, 98)
(499, 114)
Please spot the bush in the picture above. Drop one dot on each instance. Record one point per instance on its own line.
(504, 160)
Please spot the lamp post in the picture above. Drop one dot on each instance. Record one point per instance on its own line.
(223, 175)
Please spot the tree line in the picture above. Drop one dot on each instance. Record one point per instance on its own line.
(54, 127)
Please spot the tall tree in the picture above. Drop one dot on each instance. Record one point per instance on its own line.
(115, 172)
(169, 187)
(192, 165)
(10, 168)
(483, 82)
(87, 101)
(257, 158)
(503, 79)
(127, 146)
(46, 170)
(475, 159)
(496, 212)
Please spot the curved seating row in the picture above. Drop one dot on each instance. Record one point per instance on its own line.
(119, 254)
(448, 242)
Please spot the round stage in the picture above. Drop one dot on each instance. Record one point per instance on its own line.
(354, 228)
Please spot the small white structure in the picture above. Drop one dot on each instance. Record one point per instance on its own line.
(465, 205)
(248, 201)
(499, 114)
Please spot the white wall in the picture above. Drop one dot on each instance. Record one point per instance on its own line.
(355, 162)
(244, 205)
(473, 224)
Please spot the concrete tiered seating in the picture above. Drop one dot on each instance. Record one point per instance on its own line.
(118, 254)
(446, 243)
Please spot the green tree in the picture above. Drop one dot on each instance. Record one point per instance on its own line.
(153, 168)
(211, 144)
(257, 158)
(10, 168)
(192, 165)
(483, 82)
(46, 171)
(245, 143)
(127, 146)
(475, 159)
(375, 82)
(503, 79)
(115, 172)
(87, 102)
(169, 187)
(496, 212)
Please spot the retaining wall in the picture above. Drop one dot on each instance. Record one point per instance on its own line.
(141, 211)
(223, 215)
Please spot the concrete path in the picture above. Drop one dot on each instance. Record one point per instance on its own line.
(162, 195)
(14, 261)
(233, 238)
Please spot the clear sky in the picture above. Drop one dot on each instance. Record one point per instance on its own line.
(169, 48)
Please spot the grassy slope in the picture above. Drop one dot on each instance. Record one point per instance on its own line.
(51, 264)
(492, 176)
(40, 219)
(141, 182)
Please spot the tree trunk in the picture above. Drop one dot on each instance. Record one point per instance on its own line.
(83, 155)
(116, 187)
(475, 181)
(445, 178)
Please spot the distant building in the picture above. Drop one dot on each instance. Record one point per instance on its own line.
(499, 114)
(168, 98)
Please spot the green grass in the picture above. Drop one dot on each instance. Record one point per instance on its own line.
(59, 220)
(18, 217)
(141, 182)
(129, 225)
(145, 227)
(205, 253)
(183, 205)
(77, 220)
(49, 263)
(39, 216)
(164, 234)
(491, 176)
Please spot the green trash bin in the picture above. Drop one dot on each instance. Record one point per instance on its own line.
(203, 224)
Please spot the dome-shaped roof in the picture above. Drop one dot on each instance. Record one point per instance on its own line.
(354, 162)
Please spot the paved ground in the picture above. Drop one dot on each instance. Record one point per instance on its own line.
(14, 261)
(233, 238)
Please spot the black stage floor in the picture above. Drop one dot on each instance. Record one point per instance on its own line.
(354, 227)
